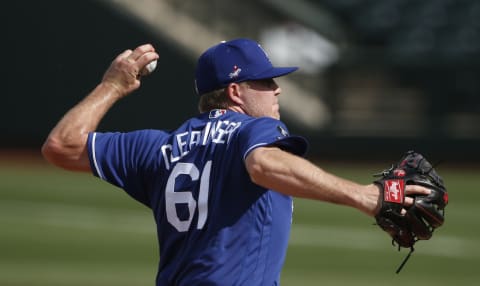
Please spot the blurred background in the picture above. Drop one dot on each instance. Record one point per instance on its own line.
(381, 76)
(376, 78)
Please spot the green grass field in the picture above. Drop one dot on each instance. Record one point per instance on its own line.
(61, 228)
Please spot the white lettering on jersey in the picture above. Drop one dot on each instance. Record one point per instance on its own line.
(181, 143)
(218, 132)
(195, 137)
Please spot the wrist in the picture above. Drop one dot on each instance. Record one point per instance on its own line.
(111, 89)
(372, 202)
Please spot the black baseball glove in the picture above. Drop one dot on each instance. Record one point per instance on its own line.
(425, 215)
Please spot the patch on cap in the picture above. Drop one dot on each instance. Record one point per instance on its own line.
(235, 73)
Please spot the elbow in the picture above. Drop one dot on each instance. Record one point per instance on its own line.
(255, 172)
(53, 151)
(256, 167)
(61, 154)
(48, 149)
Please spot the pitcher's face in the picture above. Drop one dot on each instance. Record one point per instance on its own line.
(260, 98)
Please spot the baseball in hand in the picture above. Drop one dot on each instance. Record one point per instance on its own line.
(149, 68)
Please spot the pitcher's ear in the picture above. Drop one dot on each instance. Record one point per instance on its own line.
(234, 92)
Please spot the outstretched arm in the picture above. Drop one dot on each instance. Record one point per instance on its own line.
(281, 171)
(66, 144)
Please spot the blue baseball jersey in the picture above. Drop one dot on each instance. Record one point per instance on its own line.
(214, 225)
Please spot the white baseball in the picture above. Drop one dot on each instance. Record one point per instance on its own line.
(149, 68)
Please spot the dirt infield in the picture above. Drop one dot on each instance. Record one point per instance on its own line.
(22, 157)
(31, 156)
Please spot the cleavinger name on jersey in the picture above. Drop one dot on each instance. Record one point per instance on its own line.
(218, 132)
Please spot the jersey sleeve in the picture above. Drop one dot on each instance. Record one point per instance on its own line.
(267, 131)
(124, 159)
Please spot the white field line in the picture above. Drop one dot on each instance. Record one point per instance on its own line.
(369, 238)
(75, 216)
(373, 239)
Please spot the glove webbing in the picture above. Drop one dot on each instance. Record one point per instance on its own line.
(405, 260)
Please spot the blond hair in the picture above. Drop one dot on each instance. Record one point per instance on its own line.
(216, 99)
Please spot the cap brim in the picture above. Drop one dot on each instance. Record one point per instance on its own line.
(274, 72)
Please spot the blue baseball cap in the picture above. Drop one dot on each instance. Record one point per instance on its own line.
(234, 61)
